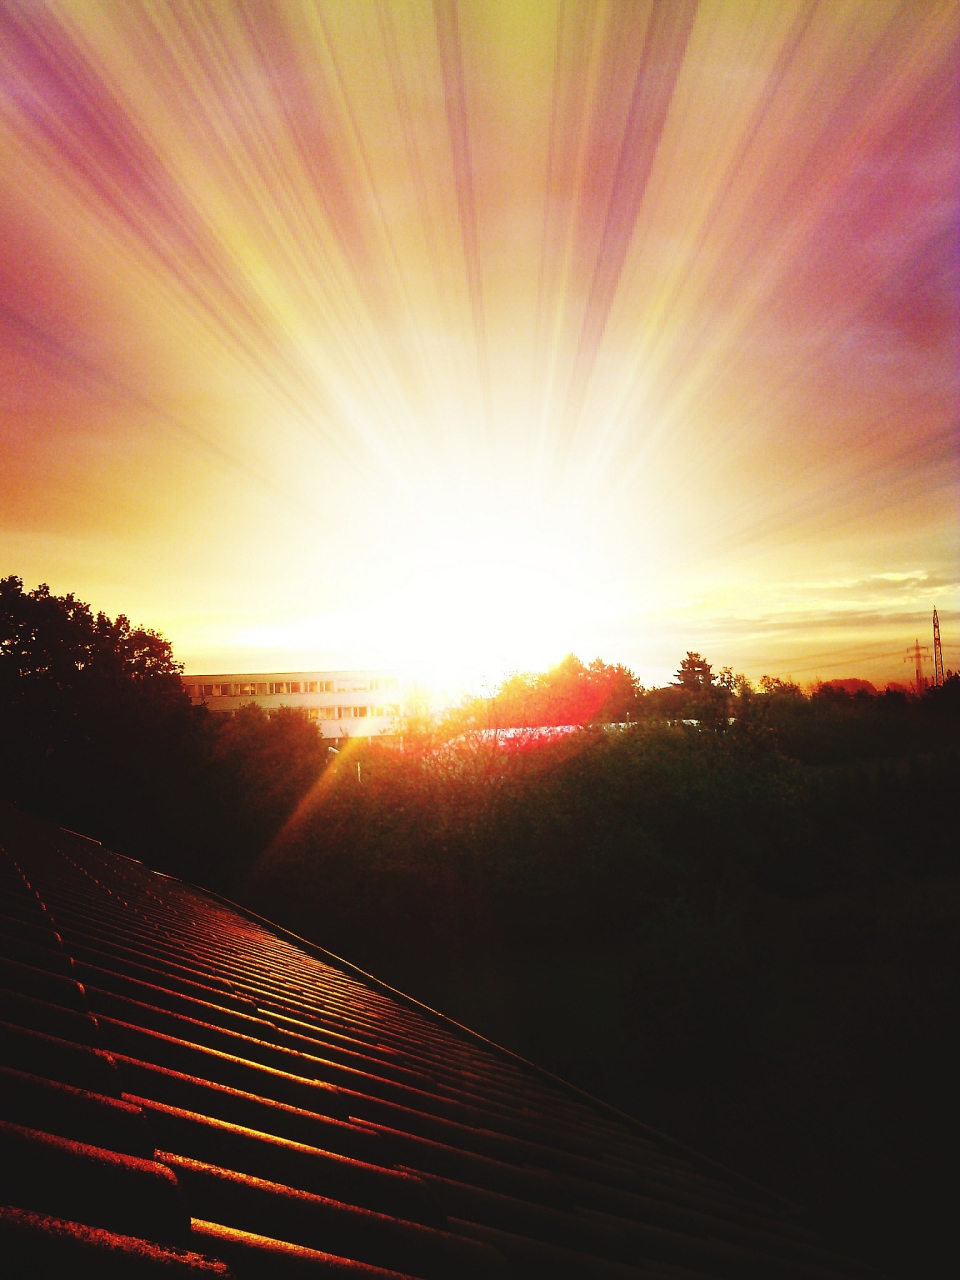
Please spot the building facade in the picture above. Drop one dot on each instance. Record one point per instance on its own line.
(341, 703)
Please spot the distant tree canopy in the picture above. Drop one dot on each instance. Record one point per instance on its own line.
(775, 687)
(570, 693)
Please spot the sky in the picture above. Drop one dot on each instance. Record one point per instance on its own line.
(457, 337)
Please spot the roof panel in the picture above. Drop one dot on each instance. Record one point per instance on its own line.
(186, 1088)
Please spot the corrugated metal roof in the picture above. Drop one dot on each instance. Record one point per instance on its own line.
(188, 1090)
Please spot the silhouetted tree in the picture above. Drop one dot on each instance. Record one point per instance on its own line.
(92, 710)
(698, 696)
(695, 674)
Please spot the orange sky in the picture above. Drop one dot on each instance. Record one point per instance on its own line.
(463, 336)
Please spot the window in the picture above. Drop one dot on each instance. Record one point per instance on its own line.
(260, 690)
(295, 686)
(313, 714)
(329, 713)
(310, 686)
(248, 690)
(208, 690)
(362, 711)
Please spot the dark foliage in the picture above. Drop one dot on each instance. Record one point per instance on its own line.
(259, 766)
(97, 732)
(92, 713)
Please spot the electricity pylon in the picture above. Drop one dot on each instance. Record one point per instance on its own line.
(937, 652)
(917, 654)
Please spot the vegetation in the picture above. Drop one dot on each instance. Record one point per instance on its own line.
(570, 694)
(732, 912)
(97, 732)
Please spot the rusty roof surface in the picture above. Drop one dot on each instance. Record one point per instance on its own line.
(189, 1090)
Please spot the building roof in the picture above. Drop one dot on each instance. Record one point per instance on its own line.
(355, 677)
(189, 1090)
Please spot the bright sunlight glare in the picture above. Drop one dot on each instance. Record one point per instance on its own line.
(485, 583)
(456, 585)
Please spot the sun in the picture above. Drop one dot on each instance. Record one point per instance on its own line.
(485, 582)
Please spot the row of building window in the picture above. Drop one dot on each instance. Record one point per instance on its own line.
(261, 689)
(348, 713)
(248, 689)
(351, 713)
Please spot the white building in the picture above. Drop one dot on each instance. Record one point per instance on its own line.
(342, 703)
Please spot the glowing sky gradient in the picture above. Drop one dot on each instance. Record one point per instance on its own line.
(359, 333)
